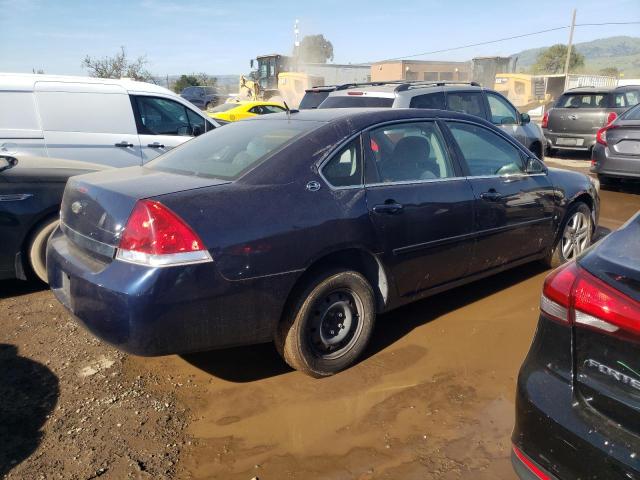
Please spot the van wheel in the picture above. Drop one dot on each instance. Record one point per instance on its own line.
(208, 105)
(575, 235)
(329, 324)
(37, 248)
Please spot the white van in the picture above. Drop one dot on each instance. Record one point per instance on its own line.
(112, 122)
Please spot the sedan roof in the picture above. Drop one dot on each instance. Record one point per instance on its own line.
(366, 116)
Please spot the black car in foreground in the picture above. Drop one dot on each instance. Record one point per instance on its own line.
(616, 154)
(300, 227)
(578, 394)
(30, 194)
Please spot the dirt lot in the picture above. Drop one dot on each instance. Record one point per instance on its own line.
(432, 399)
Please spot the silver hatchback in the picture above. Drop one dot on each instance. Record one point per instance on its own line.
(470, 98)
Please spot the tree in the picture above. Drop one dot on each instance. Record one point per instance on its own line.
(185, 81)
(610, 72)
(315, 49)
(194, 80)
(118, 66)
(552, 60)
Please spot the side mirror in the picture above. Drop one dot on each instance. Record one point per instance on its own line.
(196, 130)
(7, 162)
(525, 118)
(535, 165)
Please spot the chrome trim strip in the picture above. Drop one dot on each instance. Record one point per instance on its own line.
(167, 260)
(88, 243)
(466, 236)
(411, 182)
(15, 197)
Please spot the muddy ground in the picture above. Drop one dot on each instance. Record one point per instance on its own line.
(433, 398)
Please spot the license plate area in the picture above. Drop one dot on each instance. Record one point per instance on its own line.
(570, 142)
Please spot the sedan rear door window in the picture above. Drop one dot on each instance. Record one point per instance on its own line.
(409, 152)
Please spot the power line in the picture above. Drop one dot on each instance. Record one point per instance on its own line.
(488, 42)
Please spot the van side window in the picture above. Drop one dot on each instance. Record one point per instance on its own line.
(160, 116)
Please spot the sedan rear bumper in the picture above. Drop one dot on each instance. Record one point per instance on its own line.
(562, 435)
(614, 166)
(157, 311)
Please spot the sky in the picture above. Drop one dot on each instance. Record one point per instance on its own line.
(220, 37)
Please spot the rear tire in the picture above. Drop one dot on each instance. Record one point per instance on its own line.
(329, 324)
(574, 237)
(37, 248)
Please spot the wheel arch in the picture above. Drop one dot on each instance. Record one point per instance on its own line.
(22, 267)
(358, 259)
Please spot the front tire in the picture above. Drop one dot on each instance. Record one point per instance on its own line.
(37, 248)
(329, 324)
(575, 235)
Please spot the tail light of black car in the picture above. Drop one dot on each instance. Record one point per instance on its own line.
(545, 120)
(156, 236)
(571, 295)
(601, 136)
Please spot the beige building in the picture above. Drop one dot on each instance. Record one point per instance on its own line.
(421, 70)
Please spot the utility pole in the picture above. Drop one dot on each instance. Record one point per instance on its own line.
(296, 43)
(566, 63)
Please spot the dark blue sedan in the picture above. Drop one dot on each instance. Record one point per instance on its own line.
(300, 228)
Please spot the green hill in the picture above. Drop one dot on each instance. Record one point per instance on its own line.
(620, 52)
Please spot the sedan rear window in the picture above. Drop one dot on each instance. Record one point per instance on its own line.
(582, 100)
(229, 152)
(632, 113)
(355, 101)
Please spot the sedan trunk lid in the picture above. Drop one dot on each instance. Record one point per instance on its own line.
(95, 207)
(608, 358)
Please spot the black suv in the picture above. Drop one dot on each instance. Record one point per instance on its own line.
(202, 97)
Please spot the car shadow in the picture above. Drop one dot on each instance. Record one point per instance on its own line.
(240, 364)
(394, 325)
(28, 393)
(15, 288)
(622, 186)
(256, 362)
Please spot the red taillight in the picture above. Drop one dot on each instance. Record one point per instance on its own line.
(355, 93)
(611, 117)
(601, 136)
(545, 120)
(556, 293)
(573, 295)
(154, 235)
(532, 467)
(601, 306)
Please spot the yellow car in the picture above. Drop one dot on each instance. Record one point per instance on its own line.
(234, 111)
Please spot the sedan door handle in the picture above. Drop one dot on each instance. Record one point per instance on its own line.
(391, 208)
(124, 144)
(155, 145)
(491, 196)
